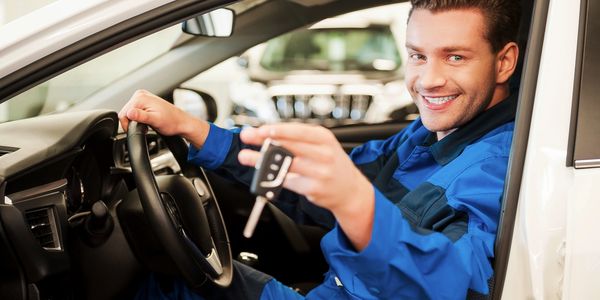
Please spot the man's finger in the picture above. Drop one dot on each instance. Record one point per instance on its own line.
(252, 136)
(310, 168)
(124, 122)
(248, 157)
(139, 115)
(297, 132)
(313, 152)
(300, 184)
(123, 116)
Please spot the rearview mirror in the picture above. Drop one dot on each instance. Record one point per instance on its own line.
(216, 23)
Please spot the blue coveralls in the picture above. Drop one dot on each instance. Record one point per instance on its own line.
(437, 205)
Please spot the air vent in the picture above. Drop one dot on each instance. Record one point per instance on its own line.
(7, 150)
(43, 226)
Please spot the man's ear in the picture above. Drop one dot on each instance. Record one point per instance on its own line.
(506, 62)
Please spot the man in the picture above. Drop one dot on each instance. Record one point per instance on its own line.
(415, 216)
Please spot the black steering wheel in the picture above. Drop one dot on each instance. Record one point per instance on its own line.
(183, 214)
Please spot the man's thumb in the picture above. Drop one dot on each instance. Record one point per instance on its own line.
(139, 115)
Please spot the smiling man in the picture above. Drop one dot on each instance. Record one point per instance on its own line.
(460, 60)
(414, 216)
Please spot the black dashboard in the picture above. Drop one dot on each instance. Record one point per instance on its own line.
(53, 170)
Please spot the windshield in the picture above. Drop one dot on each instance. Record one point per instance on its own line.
(333, 49)
(75, 85)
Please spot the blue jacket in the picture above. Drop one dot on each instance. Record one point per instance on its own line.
(437, 205)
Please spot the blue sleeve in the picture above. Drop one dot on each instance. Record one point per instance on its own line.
(437, 250)
(215, 150)
(275, 290)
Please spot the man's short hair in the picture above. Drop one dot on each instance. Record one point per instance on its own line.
(502, 16)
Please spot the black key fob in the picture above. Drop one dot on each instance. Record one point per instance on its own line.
(271, 169)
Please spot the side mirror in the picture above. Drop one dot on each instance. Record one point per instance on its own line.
(195, 103)
(216, 23)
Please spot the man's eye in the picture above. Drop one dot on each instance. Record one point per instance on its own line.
(417, 57)
(455, 58)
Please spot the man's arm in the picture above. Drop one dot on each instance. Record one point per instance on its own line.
(436, 243)
(164, 117)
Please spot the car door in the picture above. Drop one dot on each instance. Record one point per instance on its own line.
(552, 187)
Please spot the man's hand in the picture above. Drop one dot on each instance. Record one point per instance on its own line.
(164, 117)
(323, 172)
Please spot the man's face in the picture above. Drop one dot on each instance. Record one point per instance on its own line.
(451, 71)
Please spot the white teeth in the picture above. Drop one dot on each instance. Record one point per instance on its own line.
(439, 100)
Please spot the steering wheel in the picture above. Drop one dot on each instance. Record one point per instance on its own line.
(183, 215)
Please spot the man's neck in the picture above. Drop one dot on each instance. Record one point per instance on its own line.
(442, 134)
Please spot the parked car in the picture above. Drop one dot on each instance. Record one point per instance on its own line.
(71, 219)
(342, 70)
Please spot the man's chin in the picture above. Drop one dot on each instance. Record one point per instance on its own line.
(436, 127)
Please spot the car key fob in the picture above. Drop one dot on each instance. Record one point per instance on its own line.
(271, 169)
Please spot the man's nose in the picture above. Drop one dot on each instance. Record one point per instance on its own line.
(431, 76)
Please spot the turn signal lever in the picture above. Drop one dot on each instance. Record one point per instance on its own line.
(98, 225)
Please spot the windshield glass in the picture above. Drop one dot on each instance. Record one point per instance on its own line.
(333, 49)
(71, 87)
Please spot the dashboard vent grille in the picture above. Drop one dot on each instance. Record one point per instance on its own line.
(43, 226)
(7, 150)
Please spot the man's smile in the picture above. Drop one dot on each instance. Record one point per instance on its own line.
(438, 102)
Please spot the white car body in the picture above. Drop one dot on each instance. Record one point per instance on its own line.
(555, 251)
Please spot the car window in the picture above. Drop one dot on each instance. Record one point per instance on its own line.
(333, 49)
(75, 85)
(342, 70)
(585, 130)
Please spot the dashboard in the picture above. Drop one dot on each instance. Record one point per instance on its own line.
(55, 171)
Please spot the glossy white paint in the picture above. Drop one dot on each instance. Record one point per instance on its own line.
(556, 249)
(582, 268)
(64, 22)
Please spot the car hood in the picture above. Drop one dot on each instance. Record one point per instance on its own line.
(320, 77)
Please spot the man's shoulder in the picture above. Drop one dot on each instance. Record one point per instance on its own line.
(491, 151)
(496, 142)
(494, 145)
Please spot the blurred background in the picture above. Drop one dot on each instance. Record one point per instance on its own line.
(339, 71)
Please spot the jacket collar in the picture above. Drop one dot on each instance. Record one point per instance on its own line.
(451, 146)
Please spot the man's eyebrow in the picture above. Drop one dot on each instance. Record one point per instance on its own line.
(412, 47)
(448, 49)
(456, 49)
